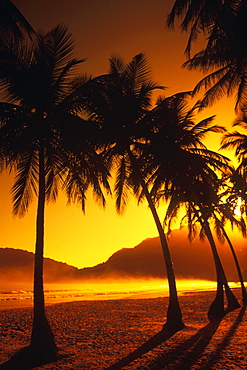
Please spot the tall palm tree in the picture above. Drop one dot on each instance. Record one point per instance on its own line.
(190, 177)
(224, 25)
(45, 141)
(120, 101)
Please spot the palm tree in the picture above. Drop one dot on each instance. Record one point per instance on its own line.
(198, 211)
(49, 146)
(13, 25)
(190, 178)
(223, 211)
(225, 60)
(223, 23)
(241, 279)
(120, 101)
(224, 57)
(238, 141)
(209, 17)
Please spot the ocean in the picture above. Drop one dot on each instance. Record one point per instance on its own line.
(21, 295)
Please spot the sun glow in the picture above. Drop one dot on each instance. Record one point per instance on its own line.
(238, 209)
(20, 295)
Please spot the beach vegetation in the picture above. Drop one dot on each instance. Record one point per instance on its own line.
(48, 145)
(185, 174)
(120, 101)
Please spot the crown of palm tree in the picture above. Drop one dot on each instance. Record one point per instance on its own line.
(42, 107)
(49, 145)
(225, 56)
(119, 102)
(207, 16)
(175, 153)
(13, 25)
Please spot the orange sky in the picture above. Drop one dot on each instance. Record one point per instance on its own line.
(101, 28)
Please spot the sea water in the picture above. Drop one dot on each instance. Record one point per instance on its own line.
(22, 296)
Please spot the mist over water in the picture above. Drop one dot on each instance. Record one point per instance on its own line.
(20, 295)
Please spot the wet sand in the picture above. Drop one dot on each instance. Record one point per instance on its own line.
(126, 334)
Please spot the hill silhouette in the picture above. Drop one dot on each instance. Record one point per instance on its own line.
(17, 264)
(191, 260)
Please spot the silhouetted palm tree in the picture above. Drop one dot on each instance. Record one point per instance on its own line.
(13, 25)
(225, 211)
(238, 141)
(240, 275)
(225, 59)
(209, 17)
(120, 102)
(190, 179)
(198, 211)
(49, 146)
(224, 25)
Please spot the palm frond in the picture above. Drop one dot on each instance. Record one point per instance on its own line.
(122, 187)
(76, 185)
(59, 45)
(12, 22)
(137, 73)
(25, 186)
(241, 95)
(179, 8)
(61, 83)
(235, 140)
(194, 32)
(117, 65)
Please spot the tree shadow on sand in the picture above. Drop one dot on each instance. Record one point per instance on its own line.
(188, 352)
(219, 350)
(153, 342)
(25, 359)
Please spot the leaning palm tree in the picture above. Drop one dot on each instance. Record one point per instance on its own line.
(44, 140)
(120, 101)
(184, 172)
(196, 215)
(225, 211)
(238, 140)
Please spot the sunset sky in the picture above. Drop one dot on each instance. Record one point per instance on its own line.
(102, 28)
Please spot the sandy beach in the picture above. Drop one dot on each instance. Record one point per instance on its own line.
(126, 334)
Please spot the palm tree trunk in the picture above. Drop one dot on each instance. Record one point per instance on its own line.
(42, 339)
(174, 316)
(216, 309)
(244, 293)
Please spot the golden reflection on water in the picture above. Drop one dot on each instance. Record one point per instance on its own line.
(126, 289)
(102, 290)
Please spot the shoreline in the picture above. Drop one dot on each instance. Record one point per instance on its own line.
(112, 334)
(104, 291)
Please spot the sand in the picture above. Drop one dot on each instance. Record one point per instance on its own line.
(125, 334)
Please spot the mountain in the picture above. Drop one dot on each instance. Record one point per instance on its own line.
(17, 264)
(191, 260)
